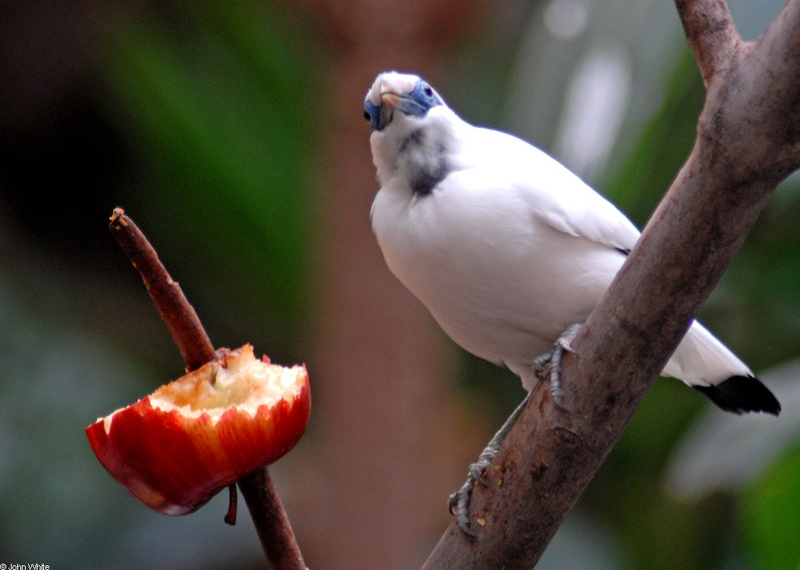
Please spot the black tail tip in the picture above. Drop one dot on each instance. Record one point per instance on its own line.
(740, 394)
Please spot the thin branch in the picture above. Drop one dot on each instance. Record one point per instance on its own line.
(710, 32)
(272, 524)
(180, 317)
(746, 143)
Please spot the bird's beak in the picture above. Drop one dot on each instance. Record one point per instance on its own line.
(380, 110)
(389, 97)
(390, 100)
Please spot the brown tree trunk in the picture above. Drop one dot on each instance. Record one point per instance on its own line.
(382, 414)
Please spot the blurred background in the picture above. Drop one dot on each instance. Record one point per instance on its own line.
(233, 134)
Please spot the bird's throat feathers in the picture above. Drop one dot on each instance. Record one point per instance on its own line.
(418, 151)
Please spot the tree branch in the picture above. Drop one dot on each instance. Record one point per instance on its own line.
(272, 524)
(269, 517)
(748, 140)
(180, 317)
(710, 32)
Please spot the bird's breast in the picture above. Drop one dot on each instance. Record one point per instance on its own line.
(501, 284)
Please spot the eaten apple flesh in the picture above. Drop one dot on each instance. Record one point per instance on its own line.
(179, 446)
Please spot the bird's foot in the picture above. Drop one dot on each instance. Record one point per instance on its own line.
(458, 504)
(551, 361)
(459, 501)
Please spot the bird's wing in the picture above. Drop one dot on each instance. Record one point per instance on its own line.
(558, 197)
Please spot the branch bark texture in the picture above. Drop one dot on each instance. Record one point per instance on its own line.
(748, 140)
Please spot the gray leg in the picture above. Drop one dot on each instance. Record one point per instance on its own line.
(459, 501)
(552, 361)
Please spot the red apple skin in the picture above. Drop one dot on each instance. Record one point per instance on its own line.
(175, 463)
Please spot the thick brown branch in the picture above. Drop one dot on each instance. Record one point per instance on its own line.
(272, 524)
(711, 34)
(747, 142)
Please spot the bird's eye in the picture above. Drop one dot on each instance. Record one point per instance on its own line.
(428, 91)
(366, 116)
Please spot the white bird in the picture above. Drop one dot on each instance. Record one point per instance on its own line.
(507, 248)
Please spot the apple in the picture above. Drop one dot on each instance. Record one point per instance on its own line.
(176, 448)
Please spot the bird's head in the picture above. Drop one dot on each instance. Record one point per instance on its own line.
(415, 138)
(396, 96)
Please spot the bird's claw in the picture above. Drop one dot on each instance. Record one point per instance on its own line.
(458, 503)
(551, 361)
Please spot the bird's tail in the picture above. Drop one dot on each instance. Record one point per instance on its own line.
(706, 364)
(702, 360)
